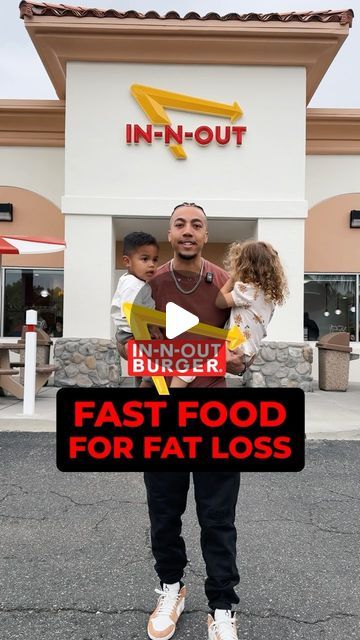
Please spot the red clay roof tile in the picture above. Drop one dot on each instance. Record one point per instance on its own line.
(29, 9)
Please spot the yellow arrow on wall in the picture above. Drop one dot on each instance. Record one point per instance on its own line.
(152, 101)
(139, 318)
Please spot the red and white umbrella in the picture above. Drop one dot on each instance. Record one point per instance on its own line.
(29, 245)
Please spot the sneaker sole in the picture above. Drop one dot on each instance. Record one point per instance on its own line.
(181, 609)
(161, 637)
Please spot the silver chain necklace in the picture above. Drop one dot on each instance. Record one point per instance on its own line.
(187, 292)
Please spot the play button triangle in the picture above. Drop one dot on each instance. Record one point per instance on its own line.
(178, 320)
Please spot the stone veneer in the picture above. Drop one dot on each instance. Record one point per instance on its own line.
(86, 362)
(282, 364)
(94, 362)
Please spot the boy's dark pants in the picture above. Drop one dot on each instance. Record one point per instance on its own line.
(216, 496)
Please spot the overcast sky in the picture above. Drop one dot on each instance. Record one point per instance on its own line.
(22, 74)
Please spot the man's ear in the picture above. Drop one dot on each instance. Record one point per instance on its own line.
(126, 261)
(169, 232)
(206, 237)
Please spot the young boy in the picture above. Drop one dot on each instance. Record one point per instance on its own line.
(140, 257)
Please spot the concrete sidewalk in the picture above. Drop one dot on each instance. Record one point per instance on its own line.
(329, 415)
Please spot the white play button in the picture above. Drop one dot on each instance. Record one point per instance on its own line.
(178, 320)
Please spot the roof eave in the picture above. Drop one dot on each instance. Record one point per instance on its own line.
(59, 40)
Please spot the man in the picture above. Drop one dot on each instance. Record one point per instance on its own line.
(311, 326)
(193, 283)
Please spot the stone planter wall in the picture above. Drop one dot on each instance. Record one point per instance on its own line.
(282, 364)
(86, 362)
(94, 362)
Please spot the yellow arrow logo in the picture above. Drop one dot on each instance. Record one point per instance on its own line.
(154, 101)
(139, 318)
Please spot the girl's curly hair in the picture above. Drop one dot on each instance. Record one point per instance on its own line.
(257, 263)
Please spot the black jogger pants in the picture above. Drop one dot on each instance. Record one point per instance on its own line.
(216, 496)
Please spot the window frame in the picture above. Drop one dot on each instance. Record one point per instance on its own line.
(357, 292)
(2, 292)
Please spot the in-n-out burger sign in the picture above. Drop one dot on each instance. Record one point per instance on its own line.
(203, 135)
(154, 101)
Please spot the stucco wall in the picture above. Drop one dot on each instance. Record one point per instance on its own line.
(333, 189)
(261, 180)
(328, 176)
(104, 175)
(39, 169)
(331, 246)
(33, 215)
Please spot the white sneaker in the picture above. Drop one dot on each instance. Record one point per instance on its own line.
(222, 626)
(162, 622)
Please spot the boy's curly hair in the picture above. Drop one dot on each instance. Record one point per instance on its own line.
(257, 263)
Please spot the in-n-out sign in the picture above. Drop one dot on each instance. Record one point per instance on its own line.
(154, 101)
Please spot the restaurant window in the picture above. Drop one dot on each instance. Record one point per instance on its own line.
(38, 289)
(331, 304)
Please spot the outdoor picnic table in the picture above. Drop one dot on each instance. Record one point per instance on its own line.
(9, 371)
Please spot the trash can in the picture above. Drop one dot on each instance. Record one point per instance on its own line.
(334, 359)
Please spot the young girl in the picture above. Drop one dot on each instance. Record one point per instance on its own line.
(256, 285)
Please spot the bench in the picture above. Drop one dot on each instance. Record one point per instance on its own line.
(43, 373)
(40, 368)
(8, 372)
(45, 368)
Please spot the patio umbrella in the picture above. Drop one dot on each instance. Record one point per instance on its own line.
(29, 245)
(10, 244)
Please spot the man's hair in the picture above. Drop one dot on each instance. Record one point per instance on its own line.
(187, 204)
(136, 239)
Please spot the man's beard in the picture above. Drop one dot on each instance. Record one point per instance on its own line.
(185, 256)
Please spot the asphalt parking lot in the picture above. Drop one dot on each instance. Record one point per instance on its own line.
(76, 564)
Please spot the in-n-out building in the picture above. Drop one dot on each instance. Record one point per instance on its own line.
(156, 110)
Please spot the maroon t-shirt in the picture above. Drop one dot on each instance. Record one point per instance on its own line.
(201, 302)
